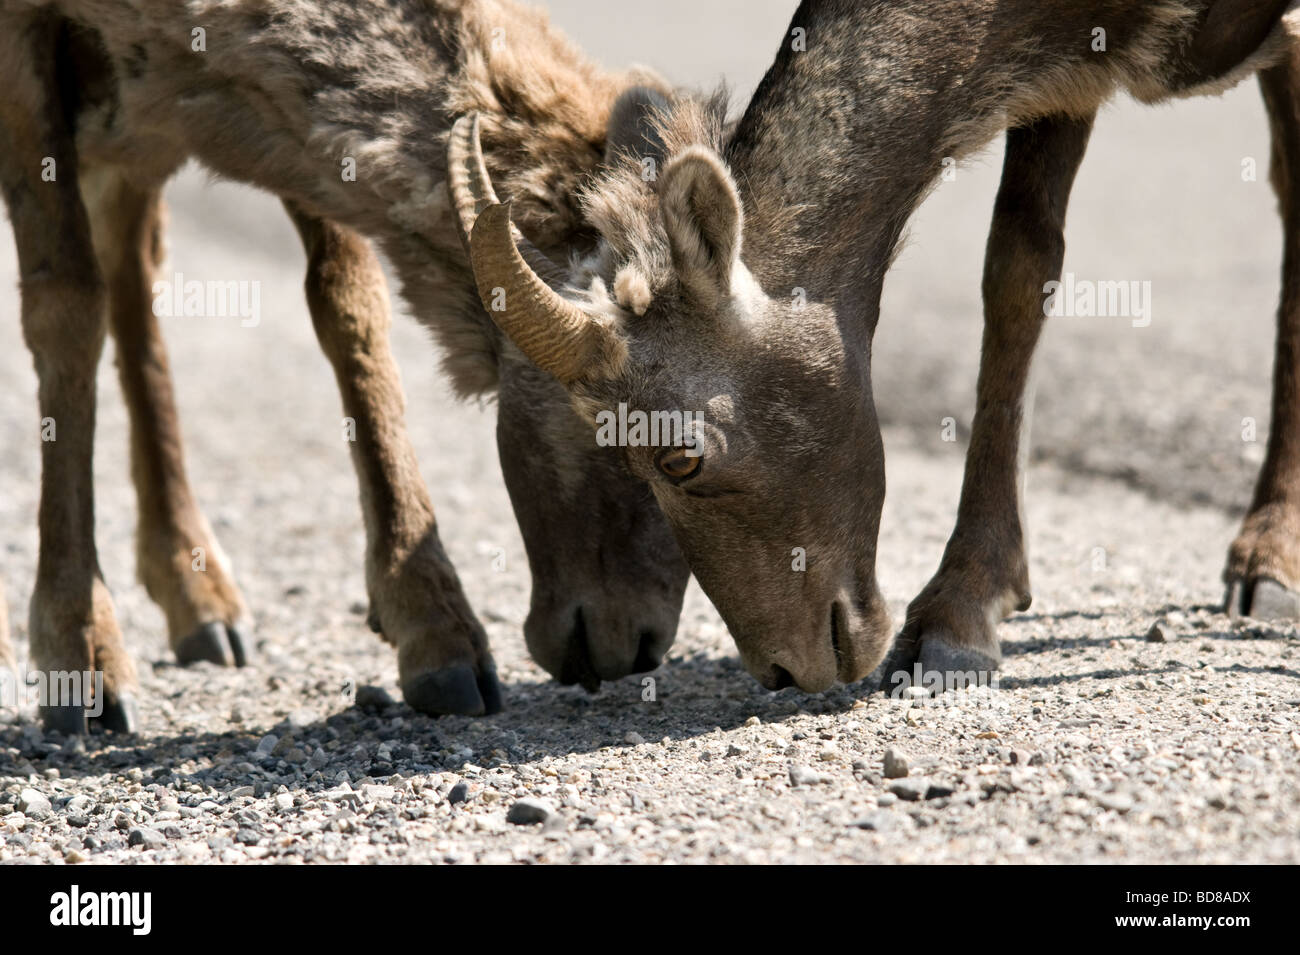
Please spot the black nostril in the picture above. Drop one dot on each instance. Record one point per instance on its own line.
(836, 613)
(781, 678)
(577, 667)
(645, 657)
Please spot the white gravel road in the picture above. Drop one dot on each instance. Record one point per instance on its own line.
(1099, 744)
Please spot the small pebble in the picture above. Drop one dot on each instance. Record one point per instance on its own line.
(910, 789)
(896, 764)
(803, 776)
(146, 838)
(530, 812)
(31, 802)
(876, 822)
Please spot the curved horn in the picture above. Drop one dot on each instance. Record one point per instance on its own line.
(471, 192)
(554, 333)
(467, 176)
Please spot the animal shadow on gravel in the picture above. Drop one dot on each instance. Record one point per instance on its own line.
(1215, 635)
(694, 697)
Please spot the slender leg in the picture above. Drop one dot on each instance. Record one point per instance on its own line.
(952, 625)
(177, 556)
(1263, 572)
(416, 601)
(72, 628)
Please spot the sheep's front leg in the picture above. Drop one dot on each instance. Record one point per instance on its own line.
(177, 556)
(1263, 572)
(416, 601)
(74, 637)
(951, 626)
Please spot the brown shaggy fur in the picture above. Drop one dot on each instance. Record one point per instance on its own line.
(287, 95)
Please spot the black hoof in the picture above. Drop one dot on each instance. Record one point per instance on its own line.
(935, 661)
(68, 720)
(958, 666)
(119, 714)
(455, 690)
(490, 687)
(214, 642)
(239, 645)
(1262, 599)
(895, 671)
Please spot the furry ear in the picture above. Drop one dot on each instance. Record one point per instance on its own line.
(703, 217)
(631, 128)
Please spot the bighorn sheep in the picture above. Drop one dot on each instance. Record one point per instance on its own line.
(759, 260)
(104, 99)
(739, 281)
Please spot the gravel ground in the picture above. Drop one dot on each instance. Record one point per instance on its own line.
(1101, 744)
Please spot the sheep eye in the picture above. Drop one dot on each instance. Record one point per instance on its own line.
(678, 464)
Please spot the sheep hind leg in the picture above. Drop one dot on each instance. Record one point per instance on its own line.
(1263, 570)
(72, 629)
(177, 556)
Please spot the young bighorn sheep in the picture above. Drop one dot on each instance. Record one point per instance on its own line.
(758, 260)
(104, 99)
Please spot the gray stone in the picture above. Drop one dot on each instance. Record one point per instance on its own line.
(803, 776)
(896, 764)
(530, 812)
(876, 822)
(146, 838)
(31, 802)
(1157, 634)
(1117, 802)
(910, 789)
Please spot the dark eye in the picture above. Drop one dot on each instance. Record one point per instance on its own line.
(678, 464)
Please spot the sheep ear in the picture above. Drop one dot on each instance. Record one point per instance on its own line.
(703, 217)
(631, 129)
